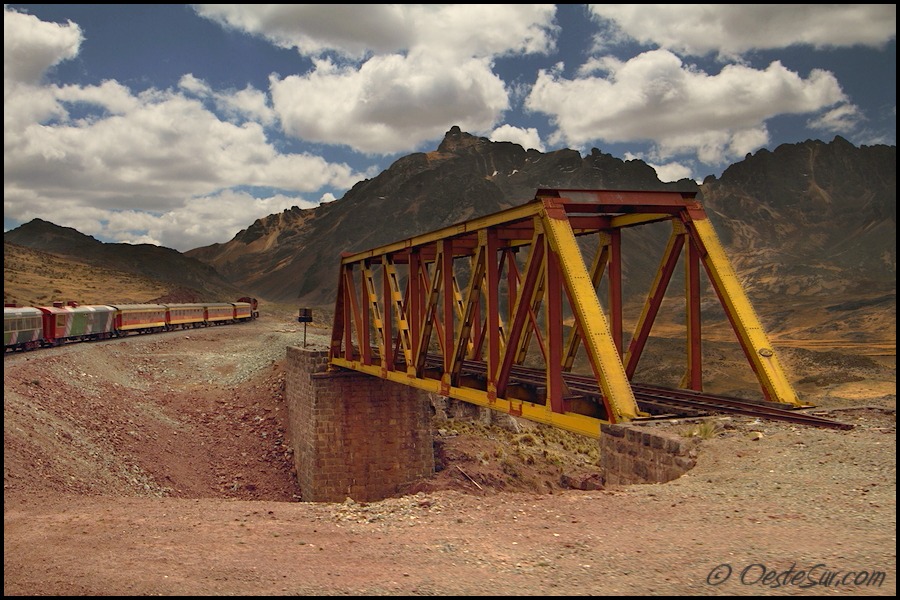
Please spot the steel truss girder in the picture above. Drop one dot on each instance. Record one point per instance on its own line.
(523, 273)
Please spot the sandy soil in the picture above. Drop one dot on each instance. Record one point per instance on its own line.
(158, 465)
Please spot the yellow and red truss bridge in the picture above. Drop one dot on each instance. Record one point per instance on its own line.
(495, 310)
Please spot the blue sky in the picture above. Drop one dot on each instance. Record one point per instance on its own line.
(180, 125)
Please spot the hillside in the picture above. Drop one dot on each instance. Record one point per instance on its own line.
(32, 277)
(44, 262)
(810, 219)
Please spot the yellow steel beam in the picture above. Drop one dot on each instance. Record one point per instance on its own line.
(460, 304)
(637, 219)
(372, 297)
(598, 266)
(402, 323)
(746, 324)
(465, 326)
(599, 343)
(524, 211)
(429, 314)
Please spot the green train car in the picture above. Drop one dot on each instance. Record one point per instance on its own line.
(23, 328)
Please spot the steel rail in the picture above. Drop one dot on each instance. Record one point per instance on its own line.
(689, 399)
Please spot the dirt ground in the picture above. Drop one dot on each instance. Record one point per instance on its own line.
(158, 465)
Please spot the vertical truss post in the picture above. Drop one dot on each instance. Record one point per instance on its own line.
(445, 249)
(395, 294)
(492, 309)
(340, 329)
(362, 335)
(414, 308)
(553, 289)
(693, 376)
(387, 329)
(512, 280)
(374, 314)
(429, 312)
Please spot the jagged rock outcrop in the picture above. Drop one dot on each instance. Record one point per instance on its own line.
(466, 177)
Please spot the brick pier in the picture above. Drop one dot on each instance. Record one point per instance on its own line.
(353, 435)
(641, 454)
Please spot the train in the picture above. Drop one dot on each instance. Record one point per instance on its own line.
(33, 327)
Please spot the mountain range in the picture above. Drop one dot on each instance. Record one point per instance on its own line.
(808, 226)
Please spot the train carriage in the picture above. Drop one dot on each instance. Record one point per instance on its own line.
(143, 318)
(93, 321)
(74, 322)
(219, 312)
(56, 321)
(23, 328)
(243, 311)
(185, 316)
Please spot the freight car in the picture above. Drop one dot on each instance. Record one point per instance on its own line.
(31, 327)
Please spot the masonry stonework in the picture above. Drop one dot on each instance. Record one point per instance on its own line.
(353, 435)
(640, 454)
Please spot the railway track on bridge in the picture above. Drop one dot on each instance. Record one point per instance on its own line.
(663, 402)
(663, 398)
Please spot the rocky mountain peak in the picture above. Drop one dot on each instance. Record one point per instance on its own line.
(457, 141)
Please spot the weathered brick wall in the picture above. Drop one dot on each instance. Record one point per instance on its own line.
(640, 454)
(353, 435)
